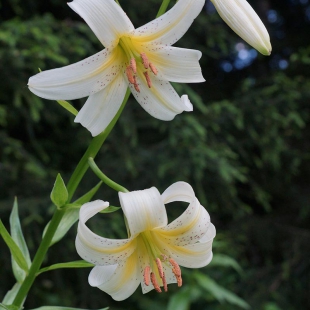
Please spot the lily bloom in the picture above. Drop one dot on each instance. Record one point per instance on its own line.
(155, 250)
(243, 20)
(141, 58)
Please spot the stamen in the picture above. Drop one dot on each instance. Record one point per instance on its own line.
(153, 68)
(176, 271)
(133, 65)
(154, 282)
(148, 80)
(164, 282)
(160, 267)
(145, 60)
(146, 275)
(135, 84)
(130, 76)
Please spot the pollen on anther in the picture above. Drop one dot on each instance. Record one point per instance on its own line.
(133, 65)
(146, 275)
(148, 80)
(130, 76)
(145, 60)
(154, 282)
(153, 68)
(165, 283)
(159, 267)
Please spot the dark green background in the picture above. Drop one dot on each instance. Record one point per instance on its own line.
(244, 149)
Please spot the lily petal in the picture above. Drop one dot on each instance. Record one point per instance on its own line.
(105, 17)
(100, 108)
(122, 283)
(193, 223)
(195, 255)
(144, 210)
(177, 64)
(77, 80)
(161, 100)
(170, 27)
(96, 249)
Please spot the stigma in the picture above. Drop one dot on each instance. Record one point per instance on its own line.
(149, 275)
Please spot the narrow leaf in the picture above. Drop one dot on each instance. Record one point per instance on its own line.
(89, 195)
(18, 237)
(75, 264)
(10, 295)
(180, 301)
(72, 215)
(68, 107)
(59, 194)
(110, 209)
(225, 261)
(14, 249)
(218, 292)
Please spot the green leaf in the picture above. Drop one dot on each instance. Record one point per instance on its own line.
(219, 292)
(225, 261)
(14, 249)
(11, 294)
(59, 194)
(89, 195)
(75, 264)
(72, 215)
(18, 237)
(110, 209)
(68, 107)
(8, 307)
(62, 308)
(180, 301)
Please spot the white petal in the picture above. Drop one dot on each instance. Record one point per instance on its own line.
(101, 107)
(192, 225)
(187, 103)
(161, 100)
(78, 80)
(170, 27)
(176, 64)
(195, 255)
(105, 17)
(122, 283)
(96, 249)
(242, 19)
(144, 210)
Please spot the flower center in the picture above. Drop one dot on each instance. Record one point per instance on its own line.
(136, 60)
(154, 272)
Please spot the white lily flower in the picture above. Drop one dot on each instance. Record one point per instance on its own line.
(243, 20)
(154, 250)
(142, 58)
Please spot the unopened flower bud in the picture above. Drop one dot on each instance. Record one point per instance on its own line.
(242, 19)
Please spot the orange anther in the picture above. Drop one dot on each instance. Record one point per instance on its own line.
(148, 80)
(145, 60)
(130, 76)
(160, 267)
(135, 84)
(133, 65)
(146, 275)
(153, 68)
(164, 283)
(154, 282)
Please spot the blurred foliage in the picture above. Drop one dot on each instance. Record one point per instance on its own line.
(244, 149)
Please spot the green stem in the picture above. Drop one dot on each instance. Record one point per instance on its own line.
(104, 178)
(38, 259)
(74, 181)
(163, 8)
(92, 151)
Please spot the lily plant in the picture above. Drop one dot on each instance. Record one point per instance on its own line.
(155, 250)
(141, 58)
